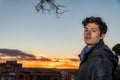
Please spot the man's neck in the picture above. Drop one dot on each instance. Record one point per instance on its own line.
(89, 46)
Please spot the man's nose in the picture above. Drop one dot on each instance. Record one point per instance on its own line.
(88, 32)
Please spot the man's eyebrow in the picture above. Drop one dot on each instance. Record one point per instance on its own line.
(92, 28)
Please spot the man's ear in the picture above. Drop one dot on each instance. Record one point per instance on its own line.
(102, 36)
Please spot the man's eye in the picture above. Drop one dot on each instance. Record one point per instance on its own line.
(94, 30)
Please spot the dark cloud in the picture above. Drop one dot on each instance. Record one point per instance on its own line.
(74, 59)
(44, 59)
(16, 53)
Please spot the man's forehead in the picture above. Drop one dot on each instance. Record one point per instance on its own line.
(91, 26)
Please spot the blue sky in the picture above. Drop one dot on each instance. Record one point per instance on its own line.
(21, 27)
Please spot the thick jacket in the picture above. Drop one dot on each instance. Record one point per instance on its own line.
(99, 63)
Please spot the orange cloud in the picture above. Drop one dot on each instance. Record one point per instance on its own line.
(54, 63)
(32, 61)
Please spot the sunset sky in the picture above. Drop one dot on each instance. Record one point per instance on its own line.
(43, 40)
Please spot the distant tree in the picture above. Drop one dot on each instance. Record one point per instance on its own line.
(49, 6)
(116, 49)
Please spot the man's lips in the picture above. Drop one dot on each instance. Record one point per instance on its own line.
(87, 37)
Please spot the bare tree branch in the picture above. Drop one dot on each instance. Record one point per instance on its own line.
(49, 6)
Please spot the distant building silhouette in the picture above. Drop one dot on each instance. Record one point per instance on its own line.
(11, 70)
(44, 74)
(38, 74)
(8, 68)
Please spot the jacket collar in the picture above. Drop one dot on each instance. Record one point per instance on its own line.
(96, 46)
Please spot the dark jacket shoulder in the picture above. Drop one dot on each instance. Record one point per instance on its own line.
(105, 54)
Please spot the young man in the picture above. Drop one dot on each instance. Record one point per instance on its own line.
(97, 60)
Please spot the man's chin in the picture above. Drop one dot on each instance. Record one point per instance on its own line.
(90, 44)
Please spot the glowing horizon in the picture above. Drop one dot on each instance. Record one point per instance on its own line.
(63, 63)
(37, 61)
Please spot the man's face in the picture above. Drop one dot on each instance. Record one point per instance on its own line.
(92, 34)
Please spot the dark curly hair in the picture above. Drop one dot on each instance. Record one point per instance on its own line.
(96, 20)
